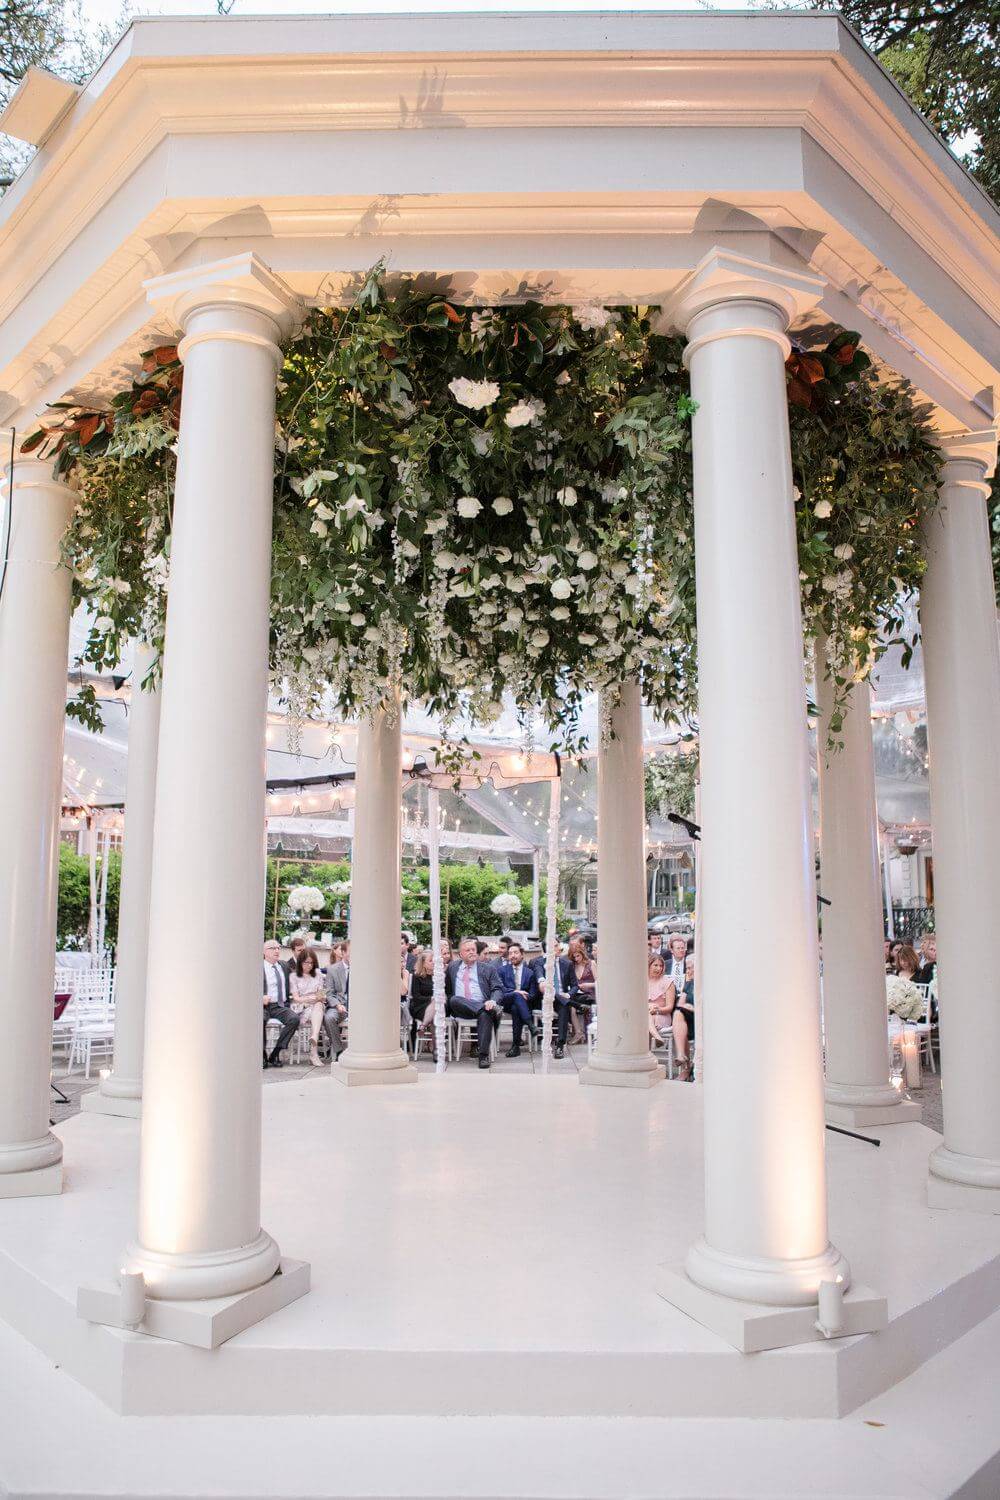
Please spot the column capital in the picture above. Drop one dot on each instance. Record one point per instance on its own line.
(723, 276)
(37, 474)
(979, 448)
(241, 281)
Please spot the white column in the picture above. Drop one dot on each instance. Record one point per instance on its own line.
(858, 1088)
(621, 1056)
(34, 646)
(765, 1234)
(373, 1053)
(199, 1232)
(120, 1090)
(962, 671)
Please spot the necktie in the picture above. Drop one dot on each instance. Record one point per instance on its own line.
(467, 981)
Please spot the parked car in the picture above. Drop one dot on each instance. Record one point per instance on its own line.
(681, 922)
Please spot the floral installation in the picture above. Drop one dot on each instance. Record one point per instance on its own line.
(506, 904)
(305, 898)
(904, 999)
(473, 503)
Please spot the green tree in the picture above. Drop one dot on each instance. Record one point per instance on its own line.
(73, 910)
(943, 54)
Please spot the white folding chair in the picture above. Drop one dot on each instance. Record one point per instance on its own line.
(462, 1028)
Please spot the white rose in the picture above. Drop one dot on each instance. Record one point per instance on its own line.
(515, 583)
(562, 588)
(844, 551)
(560, 612)
(562, 378)
(566, 496)
(619, 569)
(435, 524)
(320, 528)
(521, 415)
(633, 585)
(539, 638)
(468, 506)
(592, 316)
(822, 508)
(445, 560)
(358, 619)
(586, 639)
(503, 554)
(324, 512)
(482, 441)
(461, 588)
(587, 561)
(474, 394)
(503, 506)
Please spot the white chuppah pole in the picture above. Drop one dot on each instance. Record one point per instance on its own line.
(199, 1233)
(120, 1091)
(34, 642)
(102, 903)
(858, 1092)
(434, 885)
(621, 1055)
(766, 1238)
(962, 670)
(92, 883)
(373, 1053)
(890, 926)
(536, 869)
(551, 903)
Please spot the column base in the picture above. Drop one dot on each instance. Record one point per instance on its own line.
(765, 1279)
(752, 1327)
(97, 1102)
(206, 1323)
(213, 1273)
(43, 1182)
(864, 1116)
(959, 1181)
(373, 1067)
(640, 1072)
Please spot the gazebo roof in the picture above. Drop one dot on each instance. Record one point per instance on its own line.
(571, 156)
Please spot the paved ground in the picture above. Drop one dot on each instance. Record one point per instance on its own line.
(76, 1085)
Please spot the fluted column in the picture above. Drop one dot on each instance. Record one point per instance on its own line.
(120, 1090)
(199, 1229)
(962, 672)
(765, 1234)
(34, 646)
(373, 1053)
(858, 1088)
(621, 1056)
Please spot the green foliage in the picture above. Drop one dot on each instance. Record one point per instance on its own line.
(670, 782)
(73, 911)
(283, 874)
(479, 501)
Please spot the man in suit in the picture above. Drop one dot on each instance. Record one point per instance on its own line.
(297, 945)
(407, 958)
(474, 993)
(520, 994)
(675, 961)
(338, 984)
(276, 1006)
(928, 959)
(563, 999)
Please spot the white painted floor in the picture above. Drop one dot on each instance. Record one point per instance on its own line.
(483, 1321)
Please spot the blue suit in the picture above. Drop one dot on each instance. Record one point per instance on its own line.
(567, 993)
(518, 1005)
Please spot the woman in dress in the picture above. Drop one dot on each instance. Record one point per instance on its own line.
(585, 969)
(662, 996)
(418, 988)
(683, 1022)
(309, 997)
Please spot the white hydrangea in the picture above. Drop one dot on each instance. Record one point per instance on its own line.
(562, 588)
(587, 561)
(593, 317)
(523, 413)
(474, 394)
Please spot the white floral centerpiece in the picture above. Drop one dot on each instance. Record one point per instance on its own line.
(904, 998)
(305, 899)
(340, 888)
(506, 905)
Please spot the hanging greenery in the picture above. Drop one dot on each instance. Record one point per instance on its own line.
(478, 502)
(670, 780)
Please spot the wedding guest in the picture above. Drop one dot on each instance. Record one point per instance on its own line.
(308, 998)
(585, 970)
(520, 994)
(655, 941)
(406, 957)
(928, 959)
(676, 960)
(276, 1006)
(683, 1022)
(894, 948)
(418, 991)
(297, 944)
(474, 993)
(661, 994)
(504, 947)
(447, 953)
(907, 963)
(338, 983)
(562, 997)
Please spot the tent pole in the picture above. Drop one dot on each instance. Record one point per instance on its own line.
(551, 899)
(434, 885)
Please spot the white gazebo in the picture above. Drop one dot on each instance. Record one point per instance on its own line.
(752, 175)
